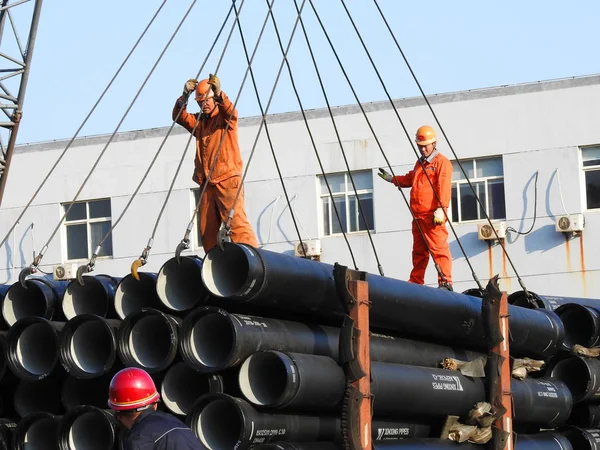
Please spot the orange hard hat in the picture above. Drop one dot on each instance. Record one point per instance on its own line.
(203, 91)
(425, 135)
(130, 389)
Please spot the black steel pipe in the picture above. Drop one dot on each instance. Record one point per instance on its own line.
(583, 439)
(88, 345)
(2, 353)
(541, 401)
(423, 444)
(298, 381)
(547, 440)
(149, 339)
(37, 431)
(3, 289)
(182, 385)
(132, 295)
(292, 380)
(272, 279)
(38, 396)
(582, 325)
(221, 421)
(179, 285)
(298, 446)
(41, 298)
(7, 429)
(77, 392)
(581, 375)
(96, 296)
(549, 302)
(87, 427)
(585, 415)
(32, 347)
(213, 339)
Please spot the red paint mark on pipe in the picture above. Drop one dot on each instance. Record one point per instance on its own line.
(505, 277)
(582, 263)
(490, 261)
(568, 250)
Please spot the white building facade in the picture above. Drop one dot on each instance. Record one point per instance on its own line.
(531, 151)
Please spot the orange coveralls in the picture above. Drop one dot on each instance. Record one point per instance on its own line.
(423, 203)
(226, 176)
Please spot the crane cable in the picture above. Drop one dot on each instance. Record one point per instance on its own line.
(223, 235)
(436, 265)
(287, 198)
(451, 148)
(82, 125)
(286, 61)
(419, 160)
(339, 139)
(31, 269)
(143, 258)
(185, 241)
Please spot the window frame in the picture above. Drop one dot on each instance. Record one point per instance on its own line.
(87, 221)
(346, 194)
(586, 169)
(474, 181)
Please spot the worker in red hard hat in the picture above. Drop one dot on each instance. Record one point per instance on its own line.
(210, 131)
(429, 212)
(133, 395)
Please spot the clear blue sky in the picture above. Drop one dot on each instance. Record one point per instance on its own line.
(451, 45)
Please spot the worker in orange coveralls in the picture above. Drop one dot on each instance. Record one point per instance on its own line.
(427, 209)
(216, 112)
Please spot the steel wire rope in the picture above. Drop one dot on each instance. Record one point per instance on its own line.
(151, 240)
(313, 141)
(40, 255)
(419, 160)
(83, 123)
(285, 192)
(380, 268)
(185, 241)
(451, 148)
(263, 121)
(436, 265)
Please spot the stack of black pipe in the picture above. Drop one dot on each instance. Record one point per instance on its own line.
(244, 347)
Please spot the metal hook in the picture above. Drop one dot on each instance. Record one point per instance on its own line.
(183, 245)
(224, 235)
(24, 274)
(80, 271)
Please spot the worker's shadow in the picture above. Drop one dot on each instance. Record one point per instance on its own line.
(9, 256)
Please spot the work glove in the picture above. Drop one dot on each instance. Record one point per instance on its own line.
(384, 175)
(438, 216)
(215, 84)
(189, 86)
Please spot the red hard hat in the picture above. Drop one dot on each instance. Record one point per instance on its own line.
(131, 388)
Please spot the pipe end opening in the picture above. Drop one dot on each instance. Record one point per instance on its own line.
(212, 341)
(132, 295)
(224, 272)
(219, 425)
(264, 378)
(179, 286)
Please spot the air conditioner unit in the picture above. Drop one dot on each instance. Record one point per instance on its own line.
(572, 223)
(312, 248)
(64, 272)
(486, 233)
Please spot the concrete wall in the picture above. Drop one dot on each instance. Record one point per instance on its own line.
(537, 127)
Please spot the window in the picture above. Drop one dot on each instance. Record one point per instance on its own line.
(345, 202)
(85, 226)
(591, 170)
(487, 177)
